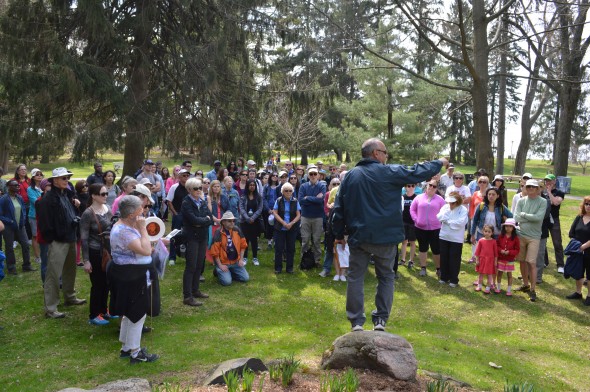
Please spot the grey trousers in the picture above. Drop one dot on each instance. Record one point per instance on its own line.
(384, 257)
(541, 259)
(311, 232)
(61, 261)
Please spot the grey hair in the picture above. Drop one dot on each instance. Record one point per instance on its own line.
(128, 180)
(128, 205)
(369, 146)
(193, 183)
(286, 187)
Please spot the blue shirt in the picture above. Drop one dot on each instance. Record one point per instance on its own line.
(287, 217)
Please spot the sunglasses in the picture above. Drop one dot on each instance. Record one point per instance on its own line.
(586, 204)
(293, 178)
(274, 175)
(457, 178)
(531, 186)
(335, 183)
(287, 191)
(104, 194)
(206, 183)
(312, 174)
(243, 174)
(299, 169)
(482, 182)
(199, 188)
(64, 178)
(410, 186)
(433, 186)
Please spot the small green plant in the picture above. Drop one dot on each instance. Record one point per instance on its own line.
(261, 385)
(440, 386)
(166, 387)
(247, 380)
(524, 387)
(288, 367)
(351, 381)
(348, 382)
(232, 381)
(274, 372)
(325, 379)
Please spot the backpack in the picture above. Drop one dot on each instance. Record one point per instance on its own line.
(307, 260)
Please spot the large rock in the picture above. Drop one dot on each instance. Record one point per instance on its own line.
(215, 376)
(129, 385)
(387, 353)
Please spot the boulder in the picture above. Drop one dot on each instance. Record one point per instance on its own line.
(376, 350)
(129, 385)
(215, 376)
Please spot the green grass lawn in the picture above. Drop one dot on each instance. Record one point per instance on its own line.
(453, 331)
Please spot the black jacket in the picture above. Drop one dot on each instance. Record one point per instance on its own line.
(195, 221)
(54, 222)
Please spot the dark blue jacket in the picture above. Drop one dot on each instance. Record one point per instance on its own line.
(368, 205)
(195, 220)
(7, 212)
(311, 205)
(574, 265)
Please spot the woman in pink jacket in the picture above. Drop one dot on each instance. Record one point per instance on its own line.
(423, 211)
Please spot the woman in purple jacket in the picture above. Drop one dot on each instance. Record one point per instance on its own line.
(423, 211)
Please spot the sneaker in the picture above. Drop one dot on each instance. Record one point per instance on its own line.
(379, 325)
(98, 320)
(442, 282)
(410, 264)
(143, 356)
(453, 285)
(146, 329)
(475, 282)
(38, 260)
(14, 244)
(269, 245)
(124, 354)
(560, 270)
(343, 278)
(201, 278)
(108, 316)
(533, 296)
(324, 273)
(55, 314)
(422, 271)
(245, 260)
(587, 301)
(255, 261)
(524, 288)
(171, 262)
(357, 328)
(336, 278)
(574, 295)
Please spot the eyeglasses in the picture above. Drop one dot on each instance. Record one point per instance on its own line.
(198, 188)
(287, 191)
(288, 164)
(104, 194)
(531, 186)
(433, 186)
(293, 178)
(410, 186)
(332, 169)
(457, 178)
(482, 182)
(243, 174)
(64, 178)
(383, 151)
(312, 174)
(526, 178)
(586, 204)
(299, 169)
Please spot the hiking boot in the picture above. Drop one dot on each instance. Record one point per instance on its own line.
(379, 325)
(191, 302)
(143, 356)
(55, 314)
(533, 296)
(574, 295)
(98, 320)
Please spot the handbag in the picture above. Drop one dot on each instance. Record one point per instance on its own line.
(106, 255)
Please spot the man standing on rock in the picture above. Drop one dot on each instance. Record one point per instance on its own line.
(368, 208)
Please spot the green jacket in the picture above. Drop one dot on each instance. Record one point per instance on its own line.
(529, 214)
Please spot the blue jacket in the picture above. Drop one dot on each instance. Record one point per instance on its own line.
(269, 197)
(574, 265)
(233, 198)
(311, 205)
(7, 212)
(479, 217)
(368, 205)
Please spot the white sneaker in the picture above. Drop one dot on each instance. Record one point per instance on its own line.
(343, 278)
(560, 270)
(323, 274)
(38, 260)
(14, 244)
(255, 261)
(245, 260)
(336, 278)
(171, 262)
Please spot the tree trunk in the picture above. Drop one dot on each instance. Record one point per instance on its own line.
(568, 104)
(479, 90)
(501, 144)
(338, 153)
(304, 157)
(139, 88)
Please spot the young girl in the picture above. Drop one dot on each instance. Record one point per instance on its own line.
(341, 256)
(508, 248)
(486, 258)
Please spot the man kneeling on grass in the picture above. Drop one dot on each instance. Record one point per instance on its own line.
(227, 251)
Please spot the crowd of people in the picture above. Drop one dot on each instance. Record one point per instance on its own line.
(344, 219)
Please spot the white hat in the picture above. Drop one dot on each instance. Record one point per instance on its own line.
(282, 173)
(143, 190)
(312, 169)
(532, 183)
(60, 172)
(529, 175)
(34, 172)
(450, 199)
(251, 162)
(498, 177)
(145, 181)
(183, 171)
(227, 215)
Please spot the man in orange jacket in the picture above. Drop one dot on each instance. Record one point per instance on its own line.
(227, 251)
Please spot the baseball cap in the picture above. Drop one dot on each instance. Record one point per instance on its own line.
(550, 177)
(148, 162)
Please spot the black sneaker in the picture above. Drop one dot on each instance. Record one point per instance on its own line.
(587, 301)
(574, 295)
(410, 265)
(124, 354)
(533, 296)
(143, 356)
(379, 325)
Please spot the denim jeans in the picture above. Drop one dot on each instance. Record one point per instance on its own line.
(384, 258)
(20, 235)
(234, 272)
